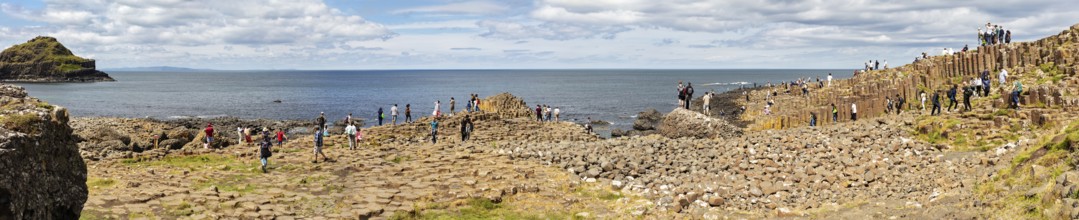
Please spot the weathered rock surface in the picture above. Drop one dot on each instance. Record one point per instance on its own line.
(685, 123)
(44, 59)
(42, 175)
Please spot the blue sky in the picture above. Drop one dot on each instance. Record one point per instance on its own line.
(488, 34)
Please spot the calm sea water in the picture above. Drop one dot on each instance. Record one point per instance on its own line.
(611, 95)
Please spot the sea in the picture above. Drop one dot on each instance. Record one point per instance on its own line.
(611, 95)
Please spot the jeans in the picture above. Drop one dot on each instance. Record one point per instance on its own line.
(351, 141)
(263, 159)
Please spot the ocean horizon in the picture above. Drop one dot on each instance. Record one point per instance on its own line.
(613, 95)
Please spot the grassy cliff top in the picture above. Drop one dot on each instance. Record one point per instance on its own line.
(40, 49)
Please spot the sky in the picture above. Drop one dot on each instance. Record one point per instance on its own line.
(519, 34)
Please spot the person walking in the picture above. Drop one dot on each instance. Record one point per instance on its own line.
(835, 114)
(264, 155)
(689, 94)
(1017, 91)
(967, 93)
(209, 135)
(899, 104)
(321, 120)
(936, 104)
(408, 113)
(452, 104)
(351, 132)
(380, 115)
(318, 146)
(953, 102)
(434, 130)
(466, 130)
(393, 114)
(853, 111)
(985, 83)
(829, 81)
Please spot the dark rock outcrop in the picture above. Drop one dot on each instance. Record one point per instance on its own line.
(44, 59)
(42, 175)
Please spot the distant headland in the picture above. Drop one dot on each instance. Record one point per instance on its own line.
(44, 59)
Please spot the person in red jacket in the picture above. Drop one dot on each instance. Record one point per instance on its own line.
(209, 135)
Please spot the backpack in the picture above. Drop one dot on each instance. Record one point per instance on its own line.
(264, 150)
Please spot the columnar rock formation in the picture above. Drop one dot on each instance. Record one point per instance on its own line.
(505, 105)
(44, 59)
(1049, 58)
(42, 175)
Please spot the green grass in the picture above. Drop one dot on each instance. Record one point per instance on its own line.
(194, 162)
(232, 183)
(24, 123)
(98, 183)
(399, 159)
(477, 209)
(1052, 73)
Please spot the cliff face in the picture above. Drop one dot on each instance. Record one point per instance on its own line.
(1045, 67)
(42, 175)
(44, 59)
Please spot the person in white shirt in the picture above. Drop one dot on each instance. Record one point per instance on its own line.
(239, 135)
(923, 100)
(393, 114)
(556, 113)
(438, 108)
(1003, 77)
(885, 64)
(830, 78)
(351, 131)
(707, 102)
(853, 112)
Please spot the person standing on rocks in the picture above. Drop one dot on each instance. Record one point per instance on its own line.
(829, 80)
(380, 115)
(588, 125)
(812, 119)
(351, 132)
(438, 109)
(707, 99)
(209, 135)
(280, 136)
(393, 114)
(549, 112)
(321, 120)
(434, 130)
(453, 103)
(681, 94)
(985, 83)
(318, 146)
(936, 104)
(1017, 90)
(466, 128)
(239, 135)
(899, 103)
(408, 113)
(835, 114)
(557, 114)
(264, 155)
(854, 111)
(689, 94)
(348, 119)
(1003, 75)
(247, 135)
(923, 101)
(539, 111)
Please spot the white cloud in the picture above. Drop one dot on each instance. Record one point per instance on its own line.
(468, 7)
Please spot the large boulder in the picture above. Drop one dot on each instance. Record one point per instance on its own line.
(42, 175)
(647, 120)
(685, 123)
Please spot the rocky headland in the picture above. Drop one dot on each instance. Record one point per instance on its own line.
(44, 59)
